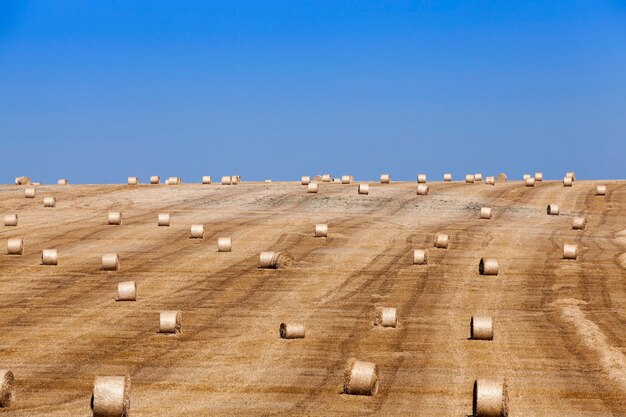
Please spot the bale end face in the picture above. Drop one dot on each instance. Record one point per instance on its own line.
(360, 378)
(291, 331)
(386, 317)
(488, 266)
(7, 394)
(490, 399)
(111, 396)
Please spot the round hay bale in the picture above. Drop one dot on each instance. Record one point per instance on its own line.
(15, 246)
(226, 180)
(490, 181)
(206, 179)
(386, 317)
(478, 177)
(481, 328)
(170, 322)
(111, 396)
(570, 251)
(552, 210)
(538, 176)
(49, 257)
(22, 181)
(174, 181)
(291, 331)
(321, 230)
(327, 178)
(133, 180)
(110, 262)
(579, 223)
(571, 175)
(421, 178)
(197, 231)
(567, 181)
(235, 179)
(502, 177)
(385, 179)
(274, 260)
(447, 177)
(364, 189)
(442, 241)
(62, 181)
(268, 181)
(155, 179)
(29, 192)
(526, 176)
(127, 291)
(360, 378)
(488, 266)
(601, 190)
(312, 187)
(530, 182)
(163, 219)
(49, 202)
(224, 244)
(422, 189)
(7, 394)
(114, 218)
(346, 179)
(485, 213)
(420, 257)
(10, 219)
(469, 179)
(490, 399)
(305, 180)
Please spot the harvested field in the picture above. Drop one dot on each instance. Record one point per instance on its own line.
(560, 342)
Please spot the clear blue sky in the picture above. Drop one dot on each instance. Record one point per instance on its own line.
(96, 91)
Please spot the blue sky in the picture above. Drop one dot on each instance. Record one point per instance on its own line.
(96, 91)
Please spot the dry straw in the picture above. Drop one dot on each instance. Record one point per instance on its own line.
(421, 178)
(360, 378)
(206, 179)
(386, 317)
(110, 262)
(274, 260)
(481, 328)
(447, 176)
(49, 202)
(327, 178)
(490, 181)
(552, 210)
(579, 223)
(321, 230)
(22, 181)
(364, 189)
(538, 176)
(62, 181)
(530, 182)
(312, 187)
(601, 190)
(163, 219)
(526, 176)
(502, 177)
(490, 399)
(346, 179)
(571, 175)
(127, 291)
(133, 180)
(170, 322)
(227, 180)
(570, 251)
(155, 179)
(235, 179)
(29, 192)
(305, 180)
(15, 246)
(485, 212)
(114, 218)
(442, 241)
(111, 396)
(291, 331)
(197, 231)
(469, 179)
(385, 179)
(422, 189)
(488, 266)
(420, 257)
(49, 257)
(7, 395)
(567, 181)
(10, 220)
(478, 177)
(224, 244)
(174, 181)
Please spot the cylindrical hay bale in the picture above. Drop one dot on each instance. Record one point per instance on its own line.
(312, 187)
(224, 244)
(169, 322)
(7, 395)
(442, 241)
(447, 177)
(364, 189)
(488, 266)
(579, 223)
(15, 247)
(22, 181)
(490, 181)
(345, 179)
(526, 176)
(570, 251)
(485, 212)
(227, 180)
(571, 175)
(420, 257)
(163, 219)
(422, 189)
(133, 180)
(10, 220)
(567, 181)
(327, 178)
(127, 291)
(155, 179)
(115, 218)
(421, 178)
(49, 257)
(502, 177)
(62, 181)
(29, 192)
(206, 179)
(173, 181)
(469, 179)
(478, 177)
(274, 260)
(291, 331)
(552, 209)
(235, 179)
(321, 230)
(111, 396)
(305, 180)
(360, 378)
(490, 399)
(197, 231)
(530, 182)
(601, 190)
(481, 328)
(386, 317)
(385, 179)
(538, 176)
(49, 202)
(110, 262)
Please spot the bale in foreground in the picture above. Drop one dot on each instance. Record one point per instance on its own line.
(360, 378)
(163, 219)
(485, 213)
(15, 247)
(488, 266)
(553, 210)
(7, 395)
(386, 317)
(420, 257)
(442, 241)
(364, 189)
(490, 399)
(291, 331)
(197, 231)
(579, 223)
(274, 260)
(224, 244)
(570, 251)
(170, 322)
(10, 220)
(111, 396)
(110, 262)
(49, 257)
(481, 328)
(321, 230)
(127, 291)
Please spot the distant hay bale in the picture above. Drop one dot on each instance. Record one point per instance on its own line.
(579, 223)
(133, 180)
(224, 244)
(571, 175)
(49, 202)
(502, 177)
(321, 230)
(312, 187)
(538, 176)
(526, 176)
(197, 231)
(601, 190)
(447, 177)
(567, 181)
(420, 257)
(346, 179)
(10, 219)
(442, 241)
(485, 213)
(62, 181)
(385, 179)
(7, 393)
(114, 218)
(490, 399)
(22, 181)
(490, 181)
(386, 317)
(469, 179)
(268, 181)
(170, 322)
(570, 251)
(163, 219)
(317, 178)
(291, 331)
(49, 257)
(488, 266)
(111, 396)
(155, 179)
(421, 178)
(29, 192)
(235, 179)
(227, 180)
(305, 180)
(552, 210)
(206, 179)
(127, 291)
(360, 378)
(478, 177)
(110, 262)
(481, 328)
(530, 182)
(275, 260)
(15, 246)
(363, 189)
(174, 181)
(422, 189)
(327, 178)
